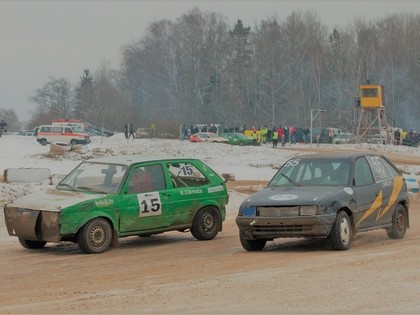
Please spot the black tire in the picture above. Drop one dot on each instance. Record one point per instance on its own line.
(43, 141)
(95, 237)
(399, 223)
(32, 244)
(251, 245)
(207, 224)
(341, 235)
(73, 142)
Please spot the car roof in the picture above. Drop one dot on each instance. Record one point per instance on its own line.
(132, 159)
(339, 155)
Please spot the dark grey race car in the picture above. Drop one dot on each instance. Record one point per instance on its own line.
(327, 196)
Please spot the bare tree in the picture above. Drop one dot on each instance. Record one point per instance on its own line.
(111, 110)
(54, 99)
(272, 74)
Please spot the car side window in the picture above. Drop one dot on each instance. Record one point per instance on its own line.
(381, 169)
(362, 173)
(145, 179)
(186, 175)
(158, 178)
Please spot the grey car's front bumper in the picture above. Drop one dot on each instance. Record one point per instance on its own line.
(276, 227)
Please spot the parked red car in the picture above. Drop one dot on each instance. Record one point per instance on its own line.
(207, 137)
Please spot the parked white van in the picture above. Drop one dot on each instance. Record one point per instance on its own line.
(62, 134)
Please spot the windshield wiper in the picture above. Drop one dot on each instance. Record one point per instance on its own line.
(90, 189)
(289, 179)
(66, 185)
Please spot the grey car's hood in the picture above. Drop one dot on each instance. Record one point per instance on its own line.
(293, 195)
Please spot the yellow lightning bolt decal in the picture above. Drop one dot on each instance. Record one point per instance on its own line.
(375, 205)
(398, 184)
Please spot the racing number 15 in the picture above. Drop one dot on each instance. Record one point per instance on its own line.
(150, 204)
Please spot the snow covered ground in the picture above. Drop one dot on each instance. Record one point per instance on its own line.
(246, 163)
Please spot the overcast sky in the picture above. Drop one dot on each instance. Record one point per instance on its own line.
(39, 39)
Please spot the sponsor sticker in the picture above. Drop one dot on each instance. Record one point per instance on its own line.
(348, 190)
(283, 197)
(215, 189)
(104, 203)
(191, 191)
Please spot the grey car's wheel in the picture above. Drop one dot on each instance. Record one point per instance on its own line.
(95, 237)
(73, 142)
(251, 245)
(399, 223)
(207, 224)
(341, 235)
(43, 141)
(32, 244)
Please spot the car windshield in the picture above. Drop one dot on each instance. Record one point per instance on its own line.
(94, 177)
(312, 172)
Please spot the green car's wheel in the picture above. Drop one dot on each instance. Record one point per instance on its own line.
(32, 244)
(95, 237)
(207, 223)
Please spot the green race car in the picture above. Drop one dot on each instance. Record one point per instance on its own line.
(237, 138)
(104, 199)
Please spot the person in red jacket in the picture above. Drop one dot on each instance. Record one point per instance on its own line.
(280, 133)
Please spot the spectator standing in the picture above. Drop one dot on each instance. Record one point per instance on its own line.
(292, 135)
(306, 132)
(275, 138)
(254, 136)
(3, 127)
(185, 133)
(126, 131)
(131, 130)
(397, 136)
(270, 135)
(281, 136)
(264, 134)
(213, 128)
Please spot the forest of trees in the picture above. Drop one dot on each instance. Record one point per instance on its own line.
(200, 69)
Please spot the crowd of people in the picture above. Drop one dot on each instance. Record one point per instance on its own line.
(277, 134)
(187, 132)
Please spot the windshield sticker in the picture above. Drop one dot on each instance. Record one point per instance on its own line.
(283, 197)
(191, 191)
(292, 162)
(104, 203)
(215, 189)
(348, 190)
(150, 204)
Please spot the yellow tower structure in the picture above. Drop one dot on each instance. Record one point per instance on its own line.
(372, 119)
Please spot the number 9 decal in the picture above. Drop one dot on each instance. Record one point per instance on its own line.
(150, 204)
